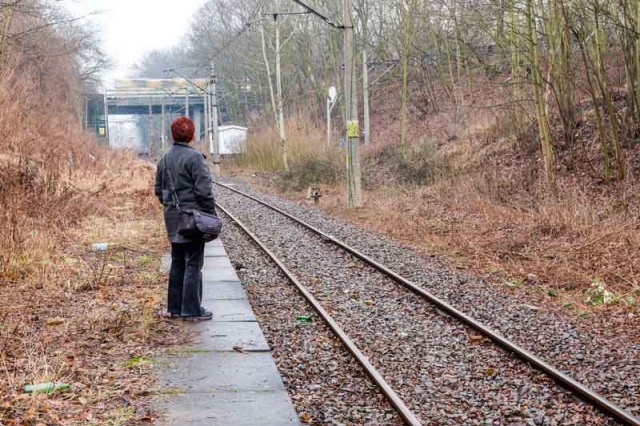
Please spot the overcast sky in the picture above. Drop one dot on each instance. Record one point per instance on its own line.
(129, 28)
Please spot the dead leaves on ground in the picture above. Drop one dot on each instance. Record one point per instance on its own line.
(82, 330)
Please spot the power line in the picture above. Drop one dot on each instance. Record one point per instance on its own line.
(233, 39)
(320, 15)
(276, 14)
(252, 20)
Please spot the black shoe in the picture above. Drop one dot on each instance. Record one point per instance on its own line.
(204, 316)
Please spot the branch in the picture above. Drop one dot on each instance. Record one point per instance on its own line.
(50, 24)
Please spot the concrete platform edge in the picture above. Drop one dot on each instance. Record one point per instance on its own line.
(227, 376)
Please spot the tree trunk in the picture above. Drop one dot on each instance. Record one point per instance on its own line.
(541, 109)
(602, 134)
(280, 101)
(269, 76)
(601, 72)
(406, 11)
(7, 18)
(516, 70)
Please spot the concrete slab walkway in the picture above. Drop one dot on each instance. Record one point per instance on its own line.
(227, 377)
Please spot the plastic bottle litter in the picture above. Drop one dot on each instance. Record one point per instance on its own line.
(49, 387)
(305, 318)
(99, 246)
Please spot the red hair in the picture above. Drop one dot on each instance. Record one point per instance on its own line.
(182, 130)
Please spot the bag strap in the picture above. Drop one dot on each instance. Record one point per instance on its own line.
(172, 187)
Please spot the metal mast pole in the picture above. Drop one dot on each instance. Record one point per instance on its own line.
(207, 121)
(214, 121)
(86, 112)
(106, 118)
(354, 186)
(328, 121)
(150, 128)
(163, 135)
(365, 89)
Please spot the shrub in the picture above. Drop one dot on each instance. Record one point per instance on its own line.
(311, 160)
(311, 171)
(414, 165)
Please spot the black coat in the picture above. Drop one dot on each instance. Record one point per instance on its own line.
(192, 181)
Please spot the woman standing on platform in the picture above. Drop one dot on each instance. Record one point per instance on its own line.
(184, 173)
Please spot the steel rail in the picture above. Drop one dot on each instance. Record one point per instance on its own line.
(407, 415)
(558, 376)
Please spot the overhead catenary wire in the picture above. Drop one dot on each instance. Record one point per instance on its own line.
(248, 24)
(251, 21)
(320, 15)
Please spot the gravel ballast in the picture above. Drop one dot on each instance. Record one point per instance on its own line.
(326, 384)
(444, 371)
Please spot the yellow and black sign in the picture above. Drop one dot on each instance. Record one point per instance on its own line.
(353, 129)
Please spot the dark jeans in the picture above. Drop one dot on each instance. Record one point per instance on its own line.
(185, 279)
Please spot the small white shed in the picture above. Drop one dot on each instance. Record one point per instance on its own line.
(233, 139)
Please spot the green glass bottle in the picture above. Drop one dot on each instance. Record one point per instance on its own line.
(49, 387)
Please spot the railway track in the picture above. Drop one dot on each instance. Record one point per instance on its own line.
(581, 391)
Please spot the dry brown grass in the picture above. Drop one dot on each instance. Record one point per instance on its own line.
(68, 314)
(71, 315)
(306, 141)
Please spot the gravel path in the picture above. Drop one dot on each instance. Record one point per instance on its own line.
(445, 373)
(327, 385)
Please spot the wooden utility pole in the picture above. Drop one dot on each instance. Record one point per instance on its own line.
(365, 90)
(214, 143)
(354, 185)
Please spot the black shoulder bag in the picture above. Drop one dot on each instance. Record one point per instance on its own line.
(193, 224)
